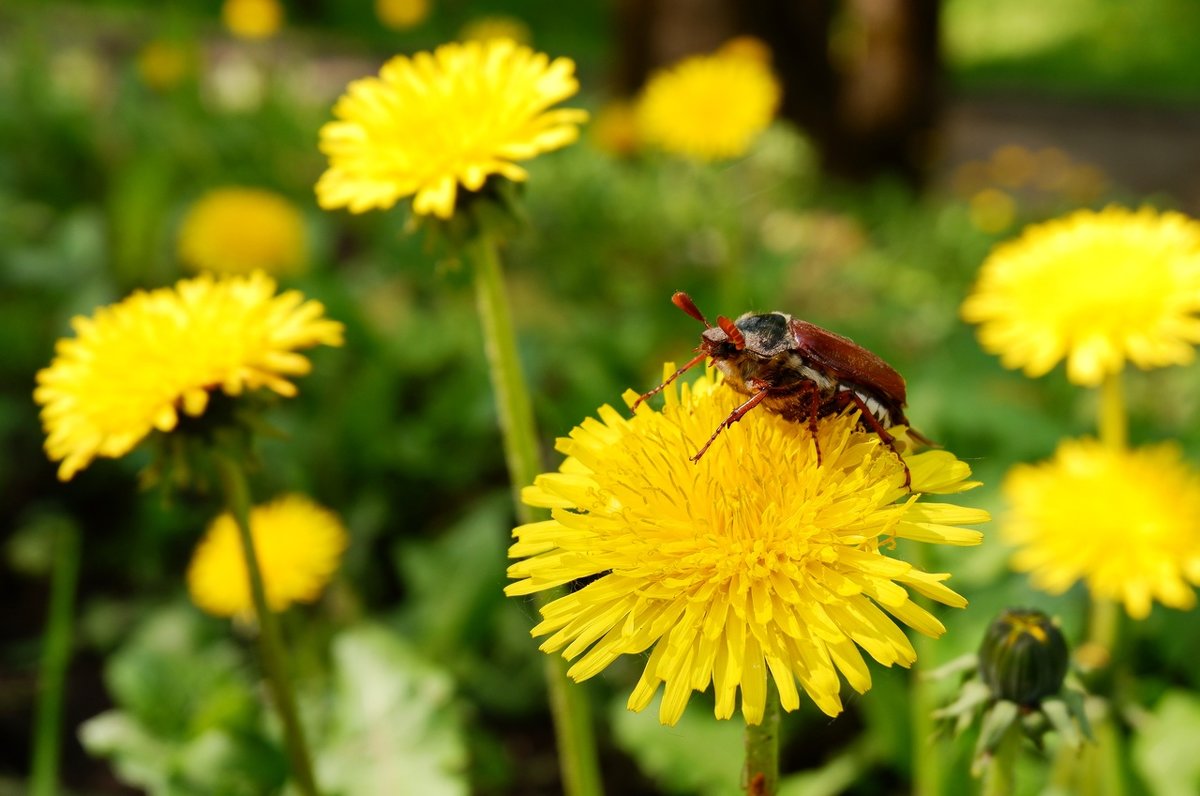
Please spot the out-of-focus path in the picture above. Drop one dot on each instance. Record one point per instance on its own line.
(1146, 150)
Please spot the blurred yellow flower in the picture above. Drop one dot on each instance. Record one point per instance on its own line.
(1094, 288)
(437, 120)
(1127, 523)
(747, 46)
(1012, 166)
(163, 64)
(614, 130)
(992, 210)
(252, 19)
(708, 107)
(298, 545)
(239, 230)
(754, 560)
(496, 26)
(134, 365)
(1084, 183)
(401, 14)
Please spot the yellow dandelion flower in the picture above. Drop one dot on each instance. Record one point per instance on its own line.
(992, 210)
(436, 120)
(252, 19)
(747, 46)
(496, 26)
(239, 230)
(134, 365)
(1012, 166)
(298, 545)
(1084, 183)
(163, 64)
(1051, 169)
(753, 561)
(1127, 523)
(708, 107)
(1094, 288)
(614, 130)
(401, 14)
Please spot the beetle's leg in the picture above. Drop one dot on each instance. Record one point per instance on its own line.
(737, 414)
(846, 397)
(814, 411)
(691, 364)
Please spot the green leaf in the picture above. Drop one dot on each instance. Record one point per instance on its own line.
(1164, 748)
(214, 762)
(177, 681)
(138, 757)
(188, 717)
(834, 777)
(443, 616)
(699, 755)
(394, 728)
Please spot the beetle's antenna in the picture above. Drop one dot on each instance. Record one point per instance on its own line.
(732, 332)
(696, 360)
(684, 302)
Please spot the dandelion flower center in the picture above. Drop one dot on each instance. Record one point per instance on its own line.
(753, 560)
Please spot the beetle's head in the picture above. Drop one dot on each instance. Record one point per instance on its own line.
(718, 344)
(723, 341)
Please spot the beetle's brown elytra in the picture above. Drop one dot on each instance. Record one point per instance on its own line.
(799, 371)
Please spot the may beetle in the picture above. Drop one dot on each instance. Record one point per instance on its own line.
(799, 371)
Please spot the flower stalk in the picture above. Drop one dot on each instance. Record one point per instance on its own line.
(762, 748)
(569, 706)
(1104, 615)
(513, 404)
(927, 763)
(56, 654)
(237, 496)
(1104, 618)
(1114, 421)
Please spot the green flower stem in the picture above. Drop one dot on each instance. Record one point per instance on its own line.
(569, 706)
(56, 654)
(1105, 617)
(1098, 770)
(761, 776)
(237, 495)
(513, 405)
(1000, 779)
(927, 762)
(1114, 421)
(1104, 623)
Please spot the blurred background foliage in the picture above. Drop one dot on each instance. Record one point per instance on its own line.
(117, 116)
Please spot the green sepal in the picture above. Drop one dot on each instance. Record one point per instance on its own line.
(996, 722)
(960, 665)
(972, 695)
(1058, 713)
(495, 210)
(1076, 701)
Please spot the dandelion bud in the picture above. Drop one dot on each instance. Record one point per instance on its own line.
(1023, 657)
